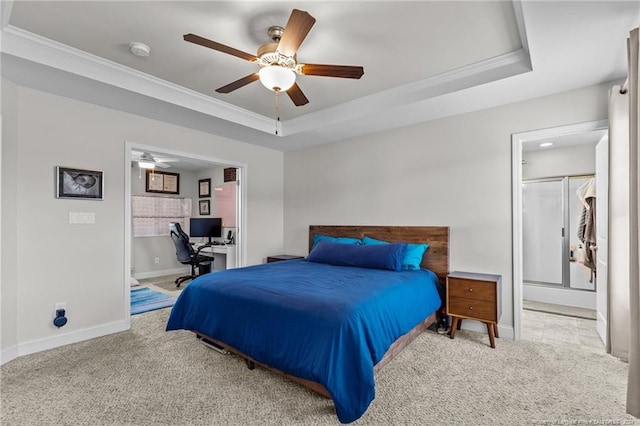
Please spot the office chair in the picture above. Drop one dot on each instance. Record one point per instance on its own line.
(185, 252)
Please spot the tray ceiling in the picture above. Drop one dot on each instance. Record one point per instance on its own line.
(422, 59)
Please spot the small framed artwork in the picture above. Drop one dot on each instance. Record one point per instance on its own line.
(204, 188)
(205, 207)
(163, 182)
(79, 183)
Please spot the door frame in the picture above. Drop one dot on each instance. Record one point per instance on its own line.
(517, 139)
(241, 202)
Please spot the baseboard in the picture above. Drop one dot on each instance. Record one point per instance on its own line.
(8, 354)
(505, 331)
(72, 337)
(559, 296)
(153, 274)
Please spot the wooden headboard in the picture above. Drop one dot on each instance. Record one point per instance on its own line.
(436, 258)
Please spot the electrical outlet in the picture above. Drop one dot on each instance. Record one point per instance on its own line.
(157, 260)
(61, 305)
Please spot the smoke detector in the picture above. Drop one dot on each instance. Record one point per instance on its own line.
(139, 49)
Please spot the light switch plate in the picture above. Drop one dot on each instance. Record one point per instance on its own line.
(87, 218)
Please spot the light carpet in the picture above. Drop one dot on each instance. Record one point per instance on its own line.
(146, 376)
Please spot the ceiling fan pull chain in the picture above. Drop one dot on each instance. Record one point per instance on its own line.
(277, 109)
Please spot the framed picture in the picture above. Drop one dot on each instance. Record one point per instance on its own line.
(79, 183)
(163, 182)
(205, 207)
(204, 188)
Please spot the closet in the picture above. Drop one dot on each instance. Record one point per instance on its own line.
(553, 253)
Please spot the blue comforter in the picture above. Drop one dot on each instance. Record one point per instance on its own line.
(329, 324)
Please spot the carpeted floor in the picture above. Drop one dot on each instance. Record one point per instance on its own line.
(147, 376)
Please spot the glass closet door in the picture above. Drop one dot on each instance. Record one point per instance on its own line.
(543, 229)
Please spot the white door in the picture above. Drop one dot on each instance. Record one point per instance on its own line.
(602, 234)
(542, 227)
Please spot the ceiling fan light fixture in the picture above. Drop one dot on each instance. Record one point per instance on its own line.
(277, 78)
(146, 165)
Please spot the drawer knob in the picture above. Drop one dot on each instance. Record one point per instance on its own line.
(470, 289)
(471, 308)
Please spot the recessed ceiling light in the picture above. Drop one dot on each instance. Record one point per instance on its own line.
(546, 144)
(139, 49)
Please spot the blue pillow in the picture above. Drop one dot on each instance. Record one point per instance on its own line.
(387, 256)
(342, 240)
(412, 256)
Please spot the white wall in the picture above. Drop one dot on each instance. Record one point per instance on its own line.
(9, 277)
(83, 265)
(454, 171)
(146, 249)
(569, 161)
(216, 174)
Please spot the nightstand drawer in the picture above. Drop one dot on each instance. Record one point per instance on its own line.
(474, 296)
(472, 308)
(472, 289)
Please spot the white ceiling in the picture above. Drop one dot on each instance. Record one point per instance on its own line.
(590, 138)
(423, 59)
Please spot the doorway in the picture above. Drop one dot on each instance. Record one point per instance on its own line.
(198, 178)
(554, 250)
(565, 136)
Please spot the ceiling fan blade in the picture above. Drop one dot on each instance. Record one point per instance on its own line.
(238, 83)
(299, 25)
(297, 96)
(341, 71)
(192, 38)
(162, 165)
(166, 160)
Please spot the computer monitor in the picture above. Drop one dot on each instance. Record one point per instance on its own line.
(209, 227)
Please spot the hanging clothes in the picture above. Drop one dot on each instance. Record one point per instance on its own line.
(587, 226)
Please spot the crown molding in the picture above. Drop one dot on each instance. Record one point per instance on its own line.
(7, 7)
(520, 23)
(38, 49)
(488, 70)
(32, 47)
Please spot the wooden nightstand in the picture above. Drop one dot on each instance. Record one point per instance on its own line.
(477, 297)
(281, 257)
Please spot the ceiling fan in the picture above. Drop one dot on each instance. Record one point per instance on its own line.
(147, 160)
(277, 60)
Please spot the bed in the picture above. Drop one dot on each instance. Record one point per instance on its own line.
(329, 328)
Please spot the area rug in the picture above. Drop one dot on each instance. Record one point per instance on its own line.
(145, 300)
(166, 282)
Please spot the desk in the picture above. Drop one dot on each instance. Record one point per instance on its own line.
(224, 257)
